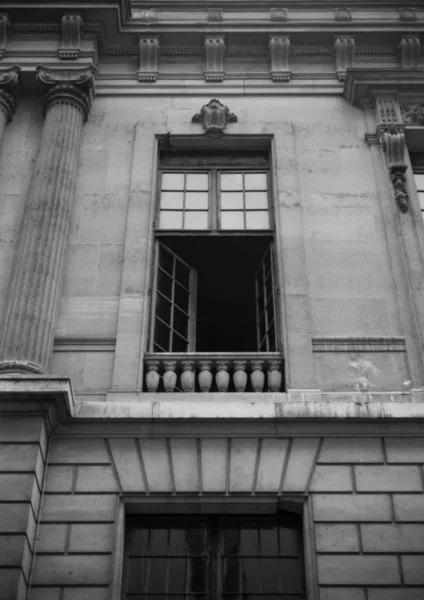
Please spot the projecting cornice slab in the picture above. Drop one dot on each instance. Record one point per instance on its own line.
(362, 86)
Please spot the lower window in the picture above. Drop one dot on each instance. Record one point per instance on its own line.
(217, 557)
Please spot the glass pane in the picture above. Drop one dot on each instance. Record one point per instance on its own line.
(137, 541)
(197, 181)
(231, 541)
(270, 575)
(255, 181)
(181, 297)
(232, 220)
(180, 322)
(173, 181)
(421, 199)
(196, 541)
(182, 274)
(166, 260)
(157, 575)
(158, 542)
(269, 542)
(257, 200)
(197, 569)
(163, 308)
(288, 542)
(231, 181)
(419, 181)
(233, 200)
(251, 577)
(135, 575)
(249, 542)
(196, 200)
(231, 575)
(172, 200)
(179, 344)
(162, 335)
(291, 575)
(196, 219)
(171, 219)
(177, 545)
(164, 283)
(177, 575)
(257, 219)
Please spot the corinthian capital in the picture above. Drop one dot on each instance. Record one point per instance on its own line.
(67, 86)
(8, 81)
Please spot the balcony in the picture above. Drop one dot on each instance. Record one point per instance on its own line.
(214, 372)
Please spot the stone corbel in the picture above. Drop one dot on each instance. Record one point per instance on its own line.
(344, 54)
(278, 14)
(342, 14)
(4, 31)
(214, 15)
(214, 50)
(8, 82)
(71, 37)
(149, 58)
(409, 52)
(393, 144)
(279, 53)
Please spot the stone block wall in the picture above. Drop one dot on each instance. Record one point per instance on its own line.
(367, 497)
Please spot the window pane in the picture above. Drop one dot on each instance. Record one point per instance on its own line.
(255, 181)
(177, 543)
(196, 541)
(231, 575)
(177, 575)
(291, 575)
(196, 200)
(197, 580)
(256, 200)
(135, 579)
(181, 297)
(232, 220)
(179, 344)
(162, 335)
(288, 542)
(269, 542)
(196, 219)
(158, 542)
(182, 274)
(197, 181)
(163, 308)
(231, 181)
(419, 180)
(251, 575)
(231, 541)
(171, 219)
(157, 575)
(270, 575)
(172, 200)
(164, 283)
(173, 181)
(180, 322)
(257, 219)
(249, 542)
(233, 200)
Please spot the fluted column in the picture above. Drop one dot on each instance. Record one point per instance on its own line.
(26, 334)
(8, 80)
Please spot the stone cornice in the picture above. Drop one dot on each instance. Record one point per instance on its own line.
(362, 86)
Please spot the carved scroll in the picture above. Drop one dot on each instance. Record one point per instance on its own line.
(279, 53)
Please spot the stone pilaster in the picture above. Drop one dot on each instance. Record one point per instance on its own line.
(8, 81)
(27, 329)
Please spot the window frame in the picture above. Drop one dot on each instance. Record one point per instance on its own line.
(224, 505)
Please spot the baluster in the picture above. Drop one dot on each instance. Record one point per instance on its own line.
(205, 375)
(152, 375)
(275, 377)
(240, 375)
(257, 376)
(188, 377)
(222, 376)
(170, 376)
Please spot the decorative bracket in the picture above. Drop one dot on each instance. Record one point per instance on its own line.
(278, 14)
(214, 49)
(409, 52)
(8, 81)
(4, 30)
(214, 118)
(149, 57)
(214, 15)
(344, 54)
(279, 52)
(393, 144)
(342, 14)
(71, 37)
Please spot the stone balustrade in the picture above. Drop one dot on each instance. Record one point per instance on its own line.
(214, 372)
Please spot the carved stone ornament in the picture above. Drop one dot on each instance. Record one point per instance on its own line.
(413, 114)
(407, 14)
(342, 14)
(214, 15)
(149, 15)
(279, 54)
(68, 86)
(149, 57)
(278, 14)
(409, 52)
(393, 143)
(71, 37)
(4, 30)
(344, 54)
(8, 81)
(214, 118)
(214, 49)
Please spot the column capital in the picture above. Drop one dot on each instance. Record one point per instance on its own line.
(67, 86)
(8, 81)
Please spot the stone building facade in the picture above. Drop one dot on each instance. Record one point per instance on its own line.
(211, 300)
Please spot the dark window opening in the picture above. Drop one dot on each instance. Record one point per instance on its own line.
(214, 558)
(214, 294)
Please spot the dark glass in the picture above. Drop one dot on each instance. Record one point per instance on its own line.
(289, 545)
(231, 575)
(164, 284)
(180, 322)
(177, 575)
(249, 542)
(272, 343)
(179, 344)
(181, 297)
(134, 582)
(196, 541)
(291, 575)
(157, 575)
(270, 575)
(162, 335)
(197, 578)
(166, 261)
(231, 541)
(182, 274)
(251, 578)
(269, 541)
(137, 541)
(177, 542)
(163, 308)
(158, 542)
